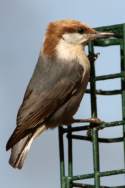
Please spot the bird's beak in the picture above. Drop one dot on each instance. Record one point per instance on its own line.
(100, 35)
(97, 35)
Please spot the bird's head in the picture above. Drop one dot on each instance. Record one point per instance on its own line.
(71, 32)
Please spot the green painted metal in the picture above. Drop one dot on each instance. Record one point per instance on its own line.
(94, 114)
(67, 177)
(62, 162)
(122, 50)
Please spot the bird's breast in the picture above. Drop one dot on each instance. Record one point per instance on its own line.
(84, 62)
(70, 53)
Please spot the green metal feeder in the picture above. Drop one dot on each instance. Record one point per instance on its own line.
(70, 180)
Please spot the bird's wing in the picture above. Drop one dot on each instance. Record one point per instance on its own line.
(51, 86)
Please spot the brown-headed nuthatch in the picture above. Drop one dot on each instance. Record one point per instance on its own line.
(57, 85)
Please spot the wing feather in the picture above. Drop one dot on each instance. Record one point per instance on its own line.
(44, 95)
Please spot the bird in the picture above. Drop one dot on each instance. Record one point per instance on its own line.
(57, 85)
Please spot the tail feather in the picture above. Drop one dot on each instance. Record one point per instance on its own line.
(20, 150)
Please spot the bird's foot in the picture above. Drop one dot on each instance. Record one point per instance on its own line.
(95, 121)
(93, 57)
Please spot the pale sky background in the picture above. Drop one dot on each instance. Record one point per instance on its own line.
(22, 25)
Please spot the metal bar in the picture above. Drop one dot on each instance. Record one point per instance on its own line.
(111, 28)
(100, 174)
(80, 185)
(110, 76)
(100, 140)
(61, 156)
(112, 172)
(96, 158)
(70, 165)
(122, 50)
(68, 183)
(107, 42)
(111, 124)
(102, 126)
(94, 114)
(102, 92)
(70, 157)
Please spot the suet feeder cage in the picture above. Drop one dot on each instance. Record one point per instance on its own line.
(71, 180)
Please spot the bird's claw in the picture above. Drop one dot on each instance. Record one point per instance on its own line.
(97, 122)
(93, 57)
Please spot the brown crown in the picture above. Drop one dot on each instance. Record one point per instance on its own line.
(55, 31)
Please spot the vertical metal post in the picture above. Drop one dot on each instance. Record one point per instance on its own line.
(61, 155)
(70, 165)
(122, 49)
(70, 158)
(94, 114)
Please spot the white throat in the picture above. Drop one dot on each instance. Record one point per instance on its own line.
(70, 52)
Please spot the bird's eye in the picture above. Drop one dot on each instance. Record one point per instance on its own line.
(80, 30)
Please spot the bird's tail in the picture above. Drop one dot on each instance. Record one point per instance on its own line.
(20, 150)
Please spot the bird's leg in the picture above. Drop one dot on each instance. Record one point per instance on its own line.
(88, 120)
(95, 121)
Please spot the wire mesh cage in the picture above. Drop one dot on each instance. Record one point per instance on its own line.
(70, 180)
